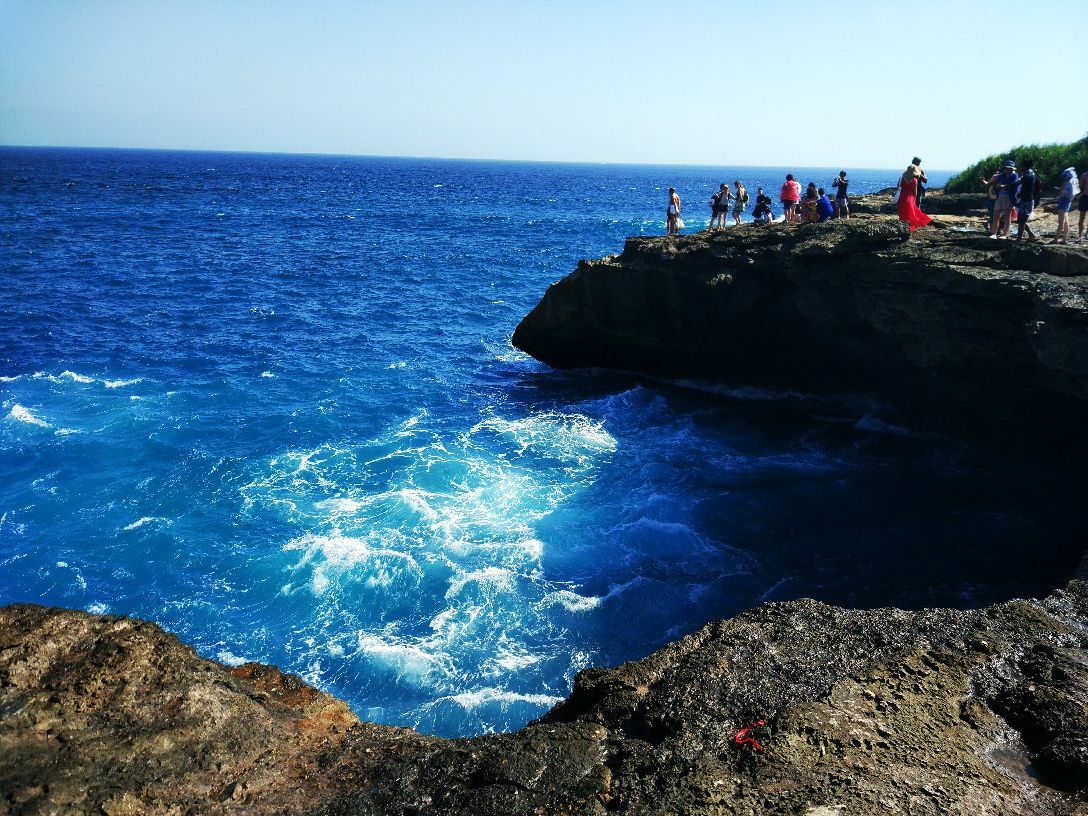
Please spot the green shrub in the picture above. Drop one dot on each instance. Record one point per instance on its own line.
(1050, 160)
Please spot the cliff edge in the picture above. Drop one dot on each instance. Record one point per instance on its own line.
(931, 712)
(983, 338)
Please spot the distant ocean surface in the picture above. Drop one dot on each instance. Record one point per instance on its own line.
(270, 403)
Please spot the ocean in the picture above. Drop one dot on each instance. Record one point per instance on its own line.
(270, 403)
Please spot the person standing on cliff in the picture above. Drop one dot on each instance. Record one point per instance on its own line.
(922, 181)
(720, 207)
(789, 196)
(1025, 203)
(1067, 194)
(907, 206)
(842, 203)
(672, 217)
(1004, 185)
(1082, 205)
(740, 201)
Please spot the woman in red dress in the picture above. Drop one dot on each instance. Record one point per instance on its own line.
(908, 204)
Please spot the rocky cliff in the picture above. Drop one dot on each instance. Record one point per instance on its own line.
(882, 711)
(984, 338)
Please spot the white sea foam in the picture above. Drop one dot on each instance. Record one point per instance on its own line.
(571, 601)
(98, 608)
(490, 579)
(382, 566)
(141, 522)
(228, 658)
(79, 378)
(410, 663)
(11, 379)
(80, 580)
(564, 436)
(472, 700)
(122, 383)
(340, 506)
(268, 375)
(21, 414)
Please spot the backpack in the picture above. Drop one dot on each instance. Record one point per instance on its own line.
(714, 199)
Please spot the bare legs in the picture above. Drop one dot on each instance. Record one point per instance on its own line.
(1062, 235)
(1000, 223)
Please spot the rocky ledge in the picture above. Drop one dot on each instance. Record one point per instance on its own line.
(979, 337)
(932, 712)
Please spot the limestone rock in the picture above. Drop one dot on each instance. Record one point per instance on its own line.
(929, 712)
(986, 339)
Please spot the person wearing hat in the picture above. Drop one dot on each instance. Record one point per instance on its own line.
(1003, 185)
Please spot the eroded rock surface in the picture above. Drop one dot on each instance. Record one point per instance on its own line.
(986, 339)
(930, 712)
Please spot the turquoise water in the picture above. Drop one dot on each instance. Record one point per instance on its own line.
(270, 403)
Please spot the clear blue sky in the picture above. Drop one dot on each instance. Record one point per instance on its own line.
(861, 84)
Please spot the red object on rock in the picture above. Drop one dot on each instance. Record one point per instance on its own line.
(742, 737)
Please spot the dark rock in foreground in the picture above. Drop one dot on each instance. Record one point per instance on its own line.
(982, 338)
(883, 711)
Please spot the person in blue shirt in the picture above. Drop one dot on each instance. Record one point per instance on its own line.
(825, 210)
(1003, 185)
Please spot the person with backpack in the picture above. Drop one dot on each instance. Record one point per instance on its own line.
(719, 207)
(1025, 202)
(825, 210)
(740, 201)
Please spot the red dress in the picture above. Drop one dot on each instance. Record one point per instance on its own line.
(908, 205)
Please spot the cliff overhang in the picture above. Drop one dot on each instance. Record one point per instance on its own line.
(985, 339)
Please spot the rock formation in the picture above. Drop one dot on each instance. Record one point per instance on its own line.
(930, 712)
(983, 338)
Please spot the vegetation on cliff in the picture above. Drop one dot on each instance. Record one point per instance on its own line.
(1050, 160)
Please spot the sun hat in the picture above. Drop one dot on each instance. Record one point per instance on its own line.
(1010, 164)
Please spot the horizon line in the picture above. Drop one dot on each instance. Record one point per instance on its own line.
(431, 158)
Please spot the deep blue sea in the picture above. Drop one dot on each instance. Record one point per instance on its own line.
(270, 403)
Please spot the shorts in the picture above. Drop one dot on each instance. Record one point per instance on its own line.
(842, 202)
(788, 204)
(738, 209)
(1083, 206)
(1002, 205)
(1024, 209)
(1064, 204)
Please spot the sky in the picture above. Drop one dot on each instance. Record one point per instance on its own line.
(761, 82)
